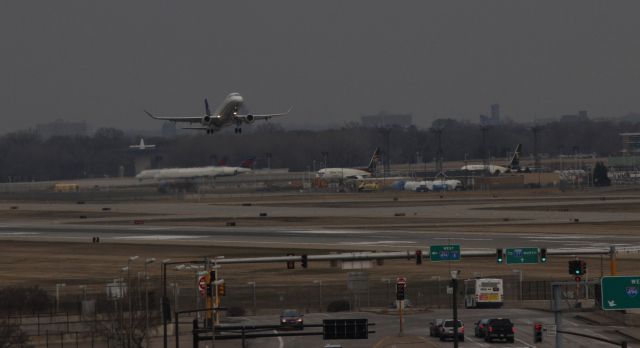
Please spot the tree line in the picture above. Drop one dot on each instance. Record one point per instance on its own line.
(26, 156)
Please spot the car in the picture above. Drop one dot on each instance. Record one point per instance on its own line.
(291, 318)
(446, 330)
(434, 327)
(498, 328)
(479, 330)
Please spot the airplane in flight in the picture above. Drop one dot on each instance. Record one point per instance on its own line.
(226, 114)
(142, 146)
(512, 166)
(351, 173)
(195, 172)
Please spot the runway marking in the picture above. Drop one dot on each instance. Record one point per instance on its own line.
(455, 239)
(326, 231)
(159, 237)
(382, 242)
(18, 233)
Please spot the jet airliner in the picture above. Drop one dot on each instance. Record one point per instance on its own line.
(227, 113)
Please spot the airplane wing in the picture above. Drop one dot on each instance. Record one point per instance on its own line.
(252, 117)
(190, 119)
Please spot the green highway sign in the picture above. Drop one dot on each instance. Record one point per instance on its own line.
(522, 255)
(620, 292)
(444, 252)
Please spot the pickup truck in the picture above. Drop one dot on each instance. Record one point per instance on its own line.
(499, 329)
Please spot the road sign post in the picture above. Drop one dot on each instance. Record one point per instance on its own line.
(439, 253)
(522, 255)
(620, 292)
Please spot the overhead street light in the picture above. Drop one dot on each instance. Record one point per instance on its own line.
(58, 286)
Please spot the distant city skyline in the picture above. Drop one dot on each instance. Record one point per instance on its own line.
(105, 62)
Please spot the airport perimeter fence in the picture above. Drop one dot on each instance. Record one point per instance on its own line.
(91, 299)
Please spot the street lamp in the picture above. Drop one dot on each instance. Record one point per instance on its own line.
(319, 282)
(131, 258)
(58, 286)
(253, 285)
(146, 296)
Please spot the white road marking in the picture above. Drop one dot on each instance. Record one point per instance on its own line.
(525, 343)
(280, 341)
(326, 231)
(467, 338)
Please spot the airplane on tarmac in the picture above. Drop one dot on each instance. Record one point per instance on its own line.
(226, 114)
(195, 172)
(142, 146)
(351, 173)
(513, 165)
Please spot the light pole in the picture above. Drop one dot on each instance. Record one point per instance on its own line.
(388, 281)
(319, 282)
(58, 286)
(146, 297)
(253, 285)
(519, 271)
(164, 301)
(132, 258)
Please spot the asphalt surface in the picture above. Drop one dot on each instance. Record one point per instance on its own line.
(418, 325)
(314, 238)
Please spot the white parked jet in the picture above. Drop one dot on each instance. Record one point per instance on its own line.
(351, 173)
(226, 114)
(513, 165)
(195, 172)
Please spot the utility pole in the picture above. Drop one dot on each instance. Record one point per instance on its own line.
(557, 297)
(454, 305)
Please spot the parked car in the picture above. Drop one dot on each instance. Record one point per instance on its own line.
(434, 327)
(498, 328)
(291, 318)
(481, 325)
(446, 330)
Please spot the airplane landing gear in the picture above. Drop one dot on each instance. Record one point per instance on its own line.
(238, 130)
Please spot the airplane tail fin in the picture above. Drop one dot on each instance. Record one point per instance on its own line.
(142, 143)
(515, 160)
(374, 160)
(248, 163)
(206, 107)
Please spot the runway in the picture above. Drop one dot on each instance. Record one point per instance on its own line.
(313, 238)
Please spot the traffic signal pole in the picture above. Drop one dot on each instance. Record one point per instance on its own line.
(612, 260)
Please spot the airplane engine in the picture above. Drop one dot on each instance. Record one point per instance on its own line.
(249, 119)
(206, 120)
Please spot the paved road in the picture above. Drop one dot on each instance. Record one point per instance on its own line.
(417, 324)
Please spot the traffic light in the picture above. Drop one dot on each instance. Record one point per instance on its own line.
(537, 332)
(418, 257)
(291, 264)
(221, 290)
(209, 286)
(305, 261)
(499, 256)
(577, 267)
(543, 255)
(400, 289)
(583, 267)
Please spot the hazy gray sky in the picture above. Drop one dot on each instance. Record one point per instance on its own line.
(106, 61)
